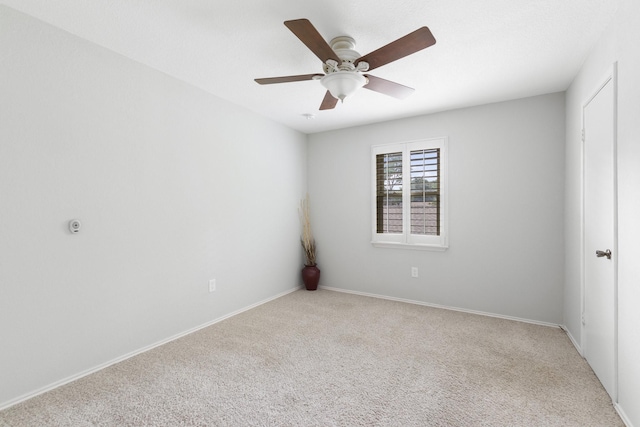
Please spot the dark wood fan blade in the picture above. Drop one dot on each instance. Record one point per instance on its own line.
(411, 43)
(329, 102)
(387, 87)
(308, 35)
(287, 79)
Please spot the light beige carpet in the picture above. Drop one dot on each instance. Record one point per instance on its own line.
(332, 359)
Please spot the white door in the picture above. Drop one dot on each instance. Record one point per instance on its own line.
(599, 235)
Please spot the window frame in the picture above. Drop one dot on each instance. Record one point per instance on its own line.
(406, 240)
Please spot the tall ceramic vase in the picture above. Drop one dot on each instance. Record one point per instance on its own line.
(311, 277)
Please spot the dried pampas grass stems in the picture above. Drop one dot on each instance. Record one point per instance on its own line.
(307, 240)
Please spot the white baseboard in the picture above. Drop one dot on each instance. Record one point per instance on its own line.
(618, 408)
(426, 304)
(572, 339)
(623, 416)
(27, 396)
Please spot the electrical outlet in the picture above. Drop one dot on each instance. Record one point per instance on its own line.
(212, 285)
(414, 271)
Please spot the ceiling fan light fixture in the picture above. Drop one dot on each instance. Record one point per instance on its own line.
(343, 66)
(343, 83)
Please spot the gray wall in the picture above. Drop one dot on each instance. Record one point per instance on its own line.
(172, 185)
(618, 44)
(506, 182)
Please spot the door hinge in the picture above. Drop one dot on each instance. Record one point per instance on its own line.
(582, 319)
(583, 135)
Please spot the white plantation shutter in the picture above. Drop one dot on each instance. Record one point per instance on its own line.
(425, 191)
(389, 192)
(409, 193)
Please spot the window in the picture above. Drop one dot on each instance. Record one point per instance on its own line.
(410, 194)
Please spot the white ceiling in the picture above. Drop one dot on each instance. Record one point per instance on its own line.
(486, 51)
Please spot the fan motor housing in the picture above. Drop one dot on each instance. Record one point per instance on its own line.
(343, 46)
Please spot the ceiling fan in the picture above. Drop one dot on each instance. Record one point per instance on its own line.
(344, 67)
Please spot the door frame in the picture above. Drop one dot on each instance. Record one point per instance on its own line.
(610, 76)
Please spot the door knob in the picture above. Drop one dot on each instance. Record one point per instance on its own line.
(606, 253)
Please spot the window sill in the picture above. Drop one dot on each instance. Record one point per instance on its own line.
(414, 246)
